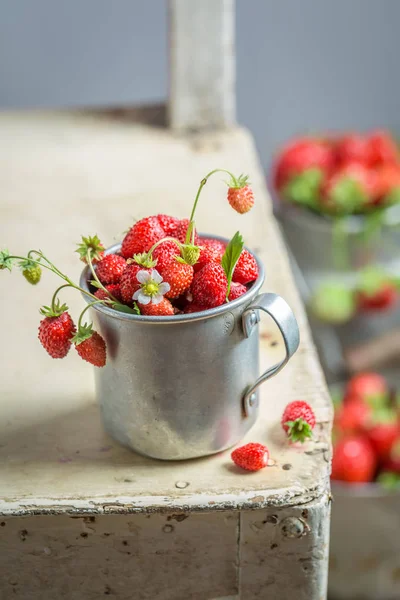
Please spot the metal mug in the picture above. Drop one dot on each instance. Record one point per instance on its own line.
(185, 386)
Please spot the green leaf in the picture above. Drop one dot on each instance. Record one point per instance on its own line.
(126, 309)
(5, 261)
(231, 256)
(96, 284)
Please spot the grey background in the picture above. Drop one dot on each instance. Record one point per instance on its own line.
(302, 65)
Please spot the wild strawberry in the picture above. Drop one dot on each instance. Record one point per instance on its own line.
(56, 331)
(353, 416)
(387, 184)
(192, 307)
(240, 194)
(110, 268)
(246, 269)
(207, 254)
(142, 236)
(354, 460)
(237, 290)
(169, 224)
(179, 275)
(31, 271)
(348, 189)
(163, 308)
(370, 387)
(181, 231)
(384, 432)
(381, 300)
(164, 254)
(301, 155)
(129, 283)
(352, 148)
(213, 243)
(298, 420)
(114, 289)
(92, 349)
(382, 149)
(209, 286)
(251, 457)
(90, 245)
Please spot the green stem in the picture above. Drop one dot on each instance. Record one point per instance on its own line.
(89, 260)
(166, 239)
(87, 308)
(53, 300)
(202, 184)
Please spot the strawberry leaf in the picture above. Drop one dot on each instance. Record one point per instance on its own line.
(126, 309)
(231, 256)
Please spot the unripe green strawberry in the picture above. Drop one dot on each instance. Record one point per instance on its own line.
(32, 274)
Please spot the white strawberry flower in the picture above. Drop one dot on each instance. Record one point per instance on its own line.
(152, 288)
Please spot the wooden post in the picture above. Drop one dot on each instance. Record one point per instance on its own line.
(202, 64)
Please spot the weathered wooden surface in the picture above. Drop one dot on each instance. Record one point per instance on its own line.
(64, 174)
(202, 64)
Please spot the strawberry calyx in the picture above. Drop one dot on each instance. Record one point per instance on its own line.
(238, 182)
(189, 252)
(92, 245)
(304, 188)
(83, 333)
(55, 310)
(389, 480)
(372, 280)
(143, 259)
(299, 430)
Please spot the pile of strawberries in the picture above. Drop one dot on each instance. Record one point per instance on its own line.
(162, 268)
(340, 175)
(367, 433)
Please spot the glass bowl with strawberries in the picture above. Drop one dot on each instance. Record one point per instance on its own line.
(365, 530)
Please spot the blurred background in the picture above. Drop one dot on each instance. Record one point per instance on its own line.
(301, 66)
(325, 69)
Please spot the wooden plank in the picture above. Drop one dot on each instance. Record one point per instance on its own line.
(202, 64)
(64, 174)
(138, 557)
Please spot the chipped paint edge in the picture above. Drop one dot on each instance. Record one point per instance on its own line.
(254, 500)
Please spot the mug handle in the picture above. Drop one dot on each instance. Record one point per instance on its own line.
(277, 308)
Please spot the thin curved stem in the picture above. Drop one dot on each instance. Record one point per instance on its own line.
(53, 300)
(101, 286)
(87, 308)
(166, 239)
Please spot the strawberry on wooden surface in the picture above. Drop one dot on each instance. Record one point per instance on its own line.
(251, 457)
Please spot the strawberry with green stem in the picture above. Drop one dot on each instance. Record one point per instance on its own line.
(298, 421)
(89, 344)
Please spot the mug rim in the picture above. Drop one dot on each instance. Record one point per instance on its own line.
(181, 318)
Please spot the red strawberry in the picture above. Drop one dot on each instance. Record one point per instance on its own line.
(387, 184)
(93, 350)
(164, 253)
(353, 148)
(55, 334)
(192, 307)
(354, 460)
(163, 308)
(240, 194)
(237, 290)
(169, 224)
(246, 269)
(179, 276)
(209, 286)
(207, 254)
(384, 433)
(382, 300)
(113, 288)
(110, 268)
(216, 244)
(181, 231)
(129, 283)
(142, 236)
(301, 155)
(251, 457)
(353, 415)
(298, 420)
(349, 188)
(370, 387)
(382, 149)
